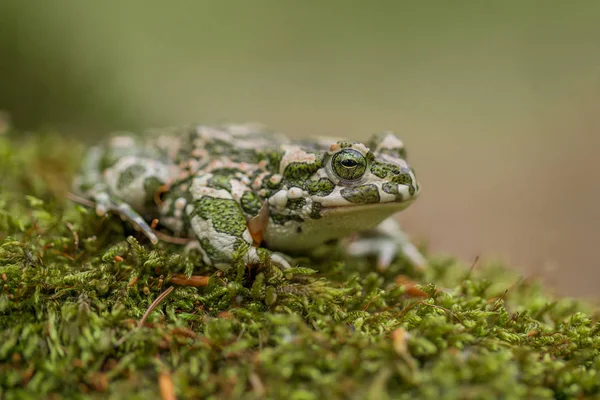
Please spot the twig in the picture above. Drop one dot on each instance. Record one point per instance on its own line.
(75, 235)
(473, 266)
(171, 239)
(81, 200)
(365, 307)
(503, 296)
(155, 304)
(161, 190)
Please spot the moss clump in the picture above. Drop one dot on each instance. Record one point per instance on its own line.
(73, 288)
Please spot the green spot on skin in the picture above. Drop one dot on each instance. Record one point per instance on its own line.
(315, 212)
(392, 188)
(246, 155)
(268, 193)
(217, 146)
(404, 179)
(300, 171)
(366, 194)
(394, 173)
(345, 144)
(220, 182)
(230, 172)
(274, 160)
(296, 204)
(129, 175)
(270, 184)
(322, 187)
(250, 203)
(382, 170)
(281, 219)
(226, 215)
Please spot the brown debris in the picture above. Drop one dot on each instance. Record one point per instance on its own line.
(410, 287)
(184, 332)
(225, 315)
(158, 194)
(172, 239)
(257, 385)
(400, 341)
(99, 381)
(194, 280)
(258, 225)
(165, 384)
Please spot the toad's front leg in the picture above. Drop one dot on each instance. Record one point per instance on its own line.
(221, 229)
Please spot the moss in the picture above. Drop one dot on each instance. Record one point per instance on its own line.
(73, 288)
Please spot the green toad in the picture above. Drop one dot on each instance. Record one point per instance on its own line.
(242, 191)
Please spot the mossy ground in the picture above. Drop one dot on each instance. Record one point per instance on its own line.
(73, 288)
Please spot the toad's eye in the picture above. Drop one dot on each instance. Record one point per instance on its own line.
(349, 164)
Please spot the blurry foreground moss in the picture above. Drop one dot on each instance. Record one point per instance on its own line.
(73, 288)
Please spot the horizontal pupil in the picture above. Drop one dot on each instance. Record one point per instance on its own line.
(348, 163)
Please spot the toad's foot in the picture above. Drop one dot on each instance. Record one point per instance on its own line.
(388, 241)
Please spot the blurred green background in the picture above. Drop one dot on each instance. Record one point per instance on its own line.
(497, 101)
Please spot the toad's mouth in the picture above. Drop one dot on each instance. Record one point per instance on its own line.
(389, 206)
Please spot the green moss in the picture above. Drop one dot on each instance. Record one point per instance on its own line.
(73, 288)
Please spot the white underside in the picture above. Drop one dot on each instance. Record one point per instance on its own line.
(336, 222)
